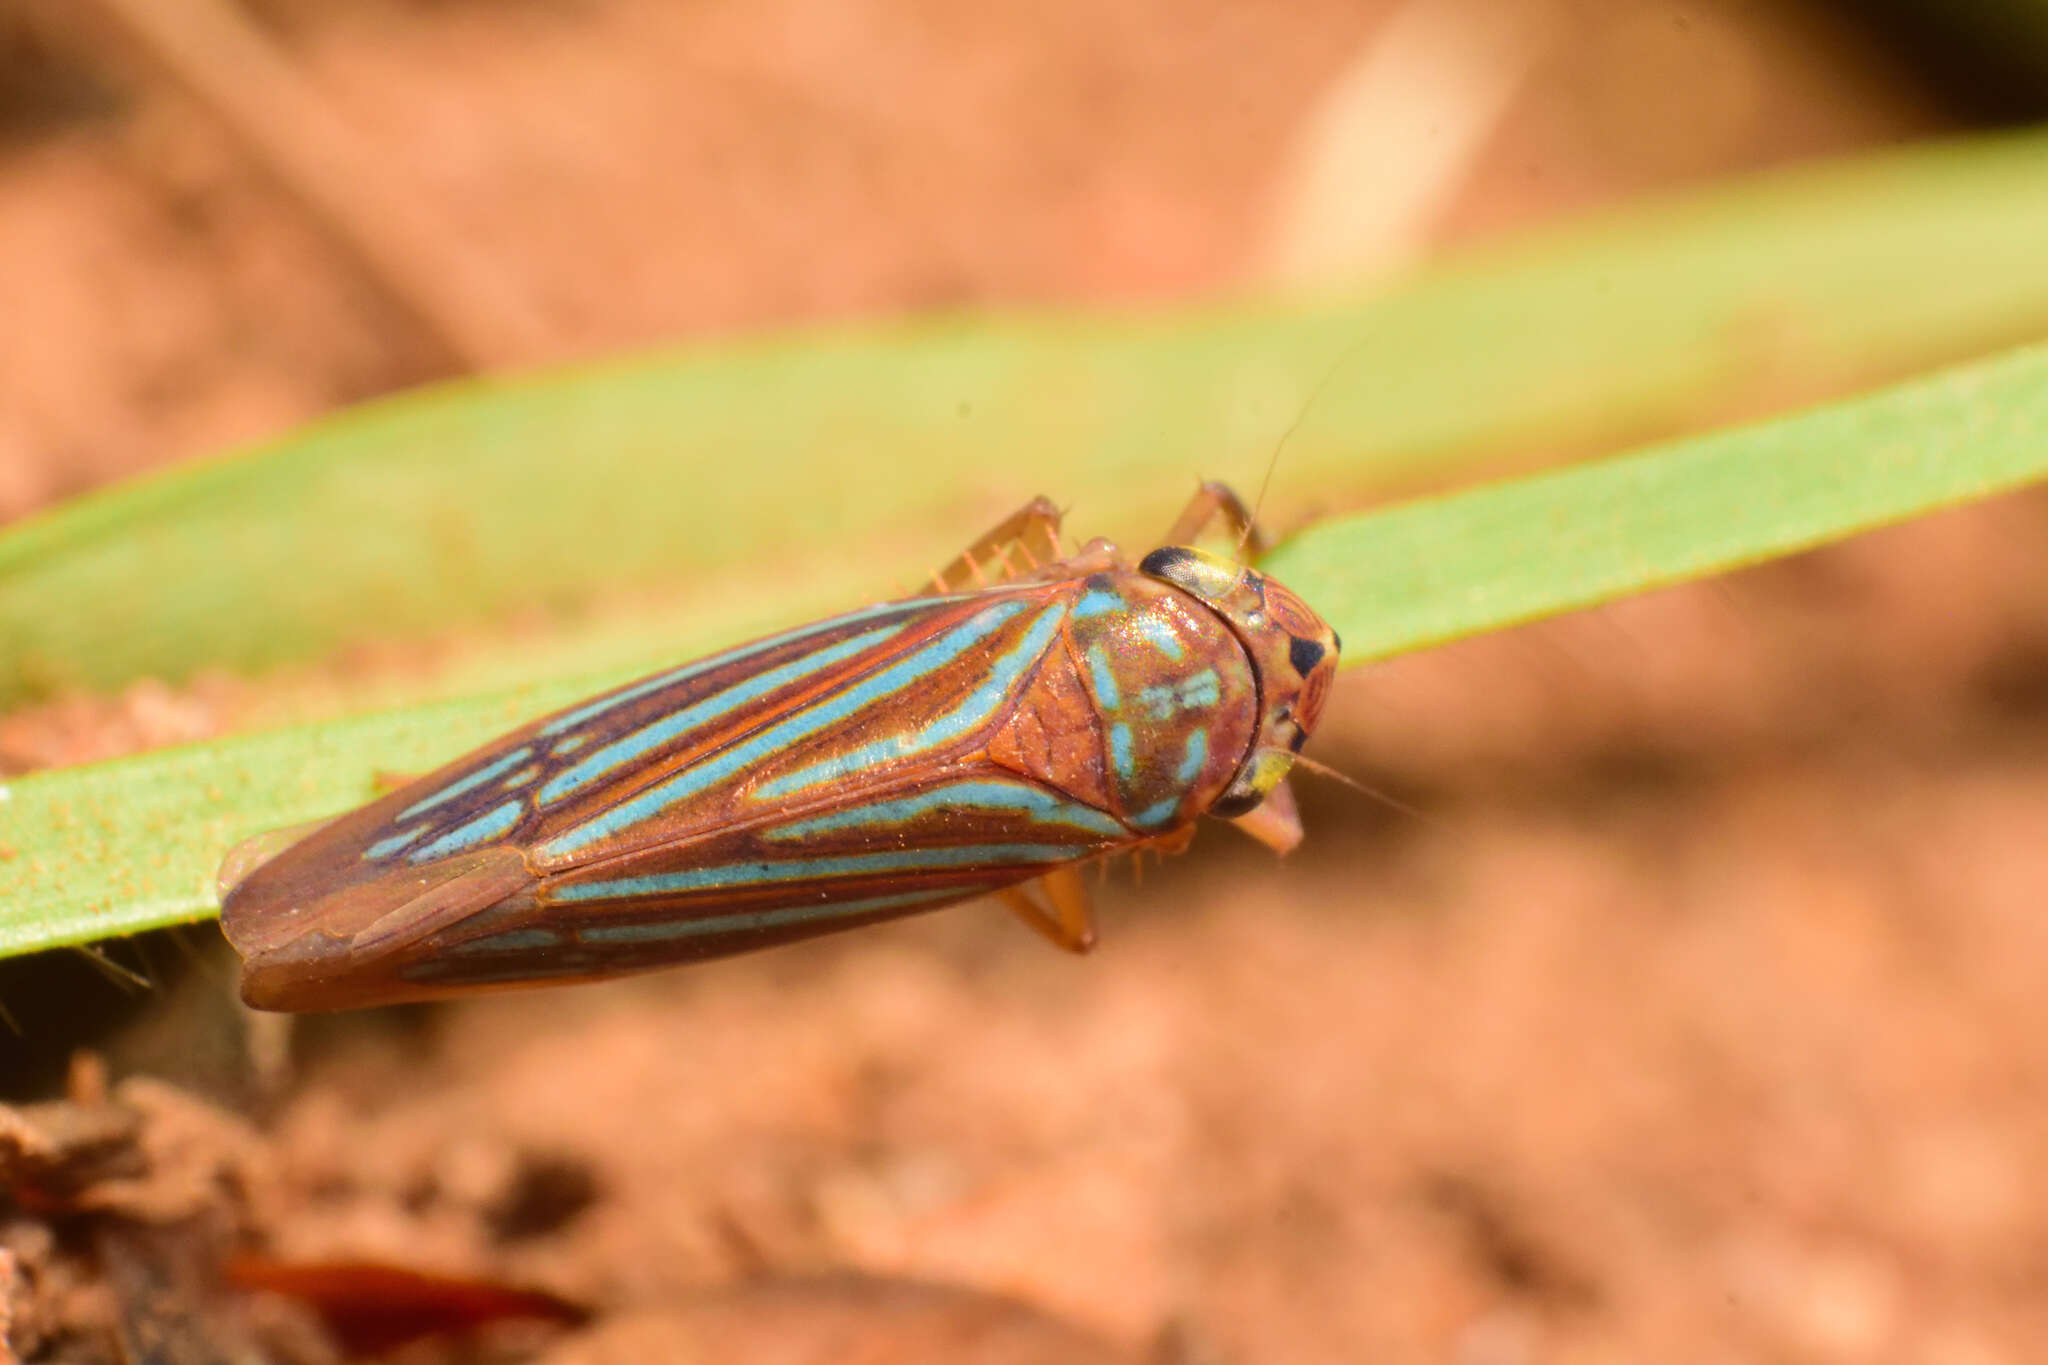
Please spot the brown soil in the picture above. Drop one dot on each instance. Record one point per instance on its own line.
(1691, 1015)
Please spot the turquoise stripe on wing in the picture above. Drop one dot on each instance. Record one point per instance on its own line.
(1019, 804)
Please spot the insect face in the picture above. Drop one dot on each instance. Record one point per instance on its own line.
(1293, 653)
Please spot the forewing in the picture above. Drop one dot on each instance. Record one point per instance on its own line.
(903, 706)
(857, 858)
(648, 805)
(458, 840)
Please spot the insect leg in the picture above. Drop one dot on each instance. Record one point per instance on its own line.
(1212, 501)
(1070, 922)
(1037, 520)
(1274, 822)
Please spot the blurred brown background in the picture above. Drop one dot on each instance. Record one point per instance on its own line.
(635, 172)
(1694, 1014)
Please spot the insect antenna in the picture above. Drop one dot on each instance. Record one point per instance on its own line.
(13, 1024)
(1301, 415)
(1384, 798)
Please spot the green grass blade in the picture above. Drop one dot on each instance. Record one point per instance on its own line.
(130, 845)
(1430, 572)
(740, 465)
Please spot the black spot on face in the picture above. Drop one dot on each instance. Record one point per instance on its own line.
(1304, 655)
(1336, 642)
(1099, 582)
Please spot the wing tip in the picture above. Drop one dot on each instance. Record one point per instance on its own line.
(346, 948)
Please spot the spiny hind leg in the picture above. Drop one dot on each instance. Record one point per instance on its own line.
(1028, 537)
(1215, 501)
(1070, 922)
